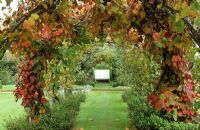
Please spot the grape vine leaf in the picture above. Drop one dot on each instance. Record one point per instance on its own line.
(35, 16)
(197, 21)
(28, 24)
(115, 9)
(197, 105)
(180, 26)
(195, 5)
(175, 115)
(159, 45)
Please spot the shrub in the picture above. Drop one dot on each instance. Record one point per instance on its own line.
(136, 69)
(61, 116)
(1, 86)
(143, 117)
(6, 78)
(102, 66)
(81, 78)
(8, 71)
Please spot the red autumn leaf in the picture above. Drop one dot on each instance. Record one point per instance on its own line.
(184, 96)
(25, 102)
(25, 44)
(58, 32)
(46, 33)
(169, 109)
(176, 58)
(184, 111)
(21, 91)
(36, 95)
(180, 114)
(192, 113)
(156, 35)
(187, 113)
(188, 76)
(155, 100)
(43, 100)
(39, 84)
(32, 88)
(25, 74)
(32, 79)
(36, 120)
(27, 85)
(190, 85)
(18, 96)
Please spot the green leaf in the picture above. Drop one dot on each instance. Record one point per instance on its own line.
(137, 22)
(165, 40)
(102, 1)
(180, 26)
(197, 21)
(195, 5)
(171, 101)
(175, 115)
(177, 39)
(114, 9)
(159, 45)
(159, 6)
(172, 19)
(197, 105)
(162, 97)
(102, 7)
(185, 12)
(8, 2)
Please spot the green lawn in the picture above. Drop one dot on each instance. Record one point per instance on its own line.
(8, 87)
(9, 108)
(103, 110)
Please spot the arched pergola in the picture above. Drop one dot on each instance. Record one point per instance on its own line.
(39, 28)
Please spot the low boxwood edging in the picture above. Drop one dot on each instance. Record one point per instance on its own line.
(61, 116)
(143, 117)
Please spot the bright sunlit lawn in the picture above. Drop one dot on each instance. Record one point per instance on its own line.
(103, 110)
(9, 108)
(8, 87)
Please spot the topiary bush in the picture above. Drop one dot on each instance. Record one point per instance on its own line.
(144, 117)
(61, 116)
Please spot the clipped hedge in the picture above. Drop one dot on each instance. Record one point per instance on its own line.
(143, 117)
(61, 116)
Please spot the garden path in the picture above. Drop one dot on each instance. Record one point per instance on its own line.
(103, 110)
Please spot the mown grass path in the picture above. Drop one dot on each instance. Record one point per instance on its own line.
(103, 110)
(9, 108)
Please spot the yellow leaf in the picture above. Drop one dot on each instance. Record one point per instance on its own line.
(35, 16)
(42, 111)
(45, 6)
(28, 24)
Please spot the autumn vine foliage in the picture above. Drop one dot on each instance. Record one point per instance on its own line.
(167, 29)
(30, 89)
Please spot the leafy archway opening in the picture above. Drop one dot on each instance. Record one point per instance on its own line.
(166, 29)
